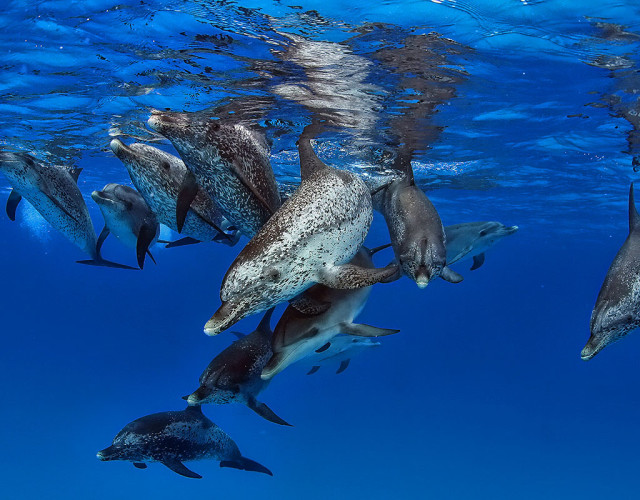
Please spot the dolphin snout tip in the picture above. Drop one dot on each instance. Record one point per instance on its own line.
(212, 328)
(192, 399)
(587, 353)
(116, 145)
(101, 456)
(422, 283)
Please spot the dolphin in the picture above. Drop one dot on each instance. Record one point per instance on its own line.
(229, 161)
(128, 217)
(617, 309)
(309, 240)
(417, 234)
(158, 176)
(342, 348)
(172, 437)
(234, 374)
(53, 191)
(298, 335)
(473, 239)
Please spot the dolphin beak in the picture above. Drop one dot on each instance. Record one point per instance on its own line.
(512, 229)
(422, 277)
(118, 147)
(227, 314)
(155, 122)
(590, 350)
(104, 454)
(99, 197)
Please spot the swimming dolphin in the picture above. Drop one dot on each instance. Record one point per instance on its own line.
(53, 191)
(298, 335)
(617, 309)
(172, 437)
(128, 217)
(229, 161)
(234, 374)
(158, 176)
(473, 239)
(309, 240)
(416, 230)
(341, 349)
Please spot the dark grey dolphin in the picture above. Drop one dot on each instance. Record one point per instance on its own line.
(53, 191)
(234, 374)
(173, 437)
(158, 177)
(298, 335)
(417, 234)
(472, 239)
(230, 162)
(617, 309)
(128, 217)
(309, 240)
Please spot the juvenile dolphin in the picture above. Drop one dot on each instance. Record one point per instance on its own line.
(173, 437)
(158, 176)
(230, 162)
(128, 217)
(298, 335)
(53, 191)
(417, 235)
(342, 349)
(309, 240)
(617, 309)
(234, 374)
(473, 239)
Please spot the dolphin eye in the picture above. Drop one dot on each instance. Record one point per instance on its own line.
(272, 274)
(165, 165)
(483, 232)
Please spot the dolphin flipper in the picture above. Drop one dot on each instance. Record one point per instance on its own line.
(244, 463)
(451, 276)
(361, 330)
(314, 369)
(179, 468)
(103, 236)
(188, 192)
(349, 276)
(343, 366)
(105, 263)
(187, 240)
(237, 171)
(478, 260)
(12, 204)
(44, 188)
(324, 347)
(145, 238)
(139, 465)
(265, 412)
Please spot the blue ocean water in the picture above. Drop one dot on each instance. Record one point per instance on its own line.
(525, 112)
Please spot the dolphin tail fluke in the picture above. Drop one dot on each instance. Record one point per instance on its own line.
(179, 468)
(244, 463)
(265, 412)
(478, 260)
(187, 194)
(451, 276)
(348, 276)
(105, 263)
(361, 330)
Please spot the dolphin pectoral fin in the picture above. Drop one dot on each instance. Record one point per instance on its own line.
(237, 171)
(265, 412)
(145, 238)
(152, 257)
(181, 242)
(308, 306)
(361, 330)
(139, 465)
(187, 193)
(314, 369)
(243, 463)
(179, 468)
(239, 335)
(105, 263)
(103, 236)
(373, 251)
(478, 260)
(349, 276)
(324, 347)
(343, 366)
(12, 204)
(451, 276)
(226, 238)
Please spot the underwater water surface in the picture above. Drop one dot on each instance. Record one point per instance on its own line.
(523, 112)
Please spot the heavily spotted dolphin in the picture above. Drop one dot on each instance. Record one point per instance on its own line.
(128, 217)
(234, 374)
(342, 349)
(309, 240)
(298, 335)
(617, 309)
(173, 437)
(230, 162)
(53, 191)
(472, 239)
(158, 177)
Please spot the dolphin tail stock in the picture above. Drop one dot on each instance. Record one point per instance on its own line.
(100, 262)
(361, 330)
(349, 276)
(244, 463)
(265, 412)
(450, 275)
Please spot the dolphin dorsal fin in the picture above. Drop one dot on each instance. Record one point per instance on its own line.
(402, 163)
(265, 323)
(309, 161)
(74, 172)
(634, 217)
(194, 409)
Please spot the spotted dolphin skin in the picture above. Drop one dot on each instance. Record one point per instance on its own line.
(128, 217)
(158, 177)
(298, 335)
(234, 374)
(617, 309)
(472, 239)
(309, 240)
(229, 161)
(174, 437)
(53, 191)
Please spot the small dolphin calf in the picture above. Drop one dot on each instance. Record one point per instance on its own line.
(128, 217)
(230, 162)
(472, 239)
(234, 374)
(617, 309)
(298, 335)
(173, 437)
(158, 177)
(309, 240)
(342, 348)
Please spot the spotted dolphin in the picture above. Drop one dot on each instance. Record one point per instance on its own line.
(234, 374)
(617, 309)
(158, 176)
(309, 240)
(229, 161)
(298, 335)
(53, 191)
(174, 437)
(128, 217)
(472, 239)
